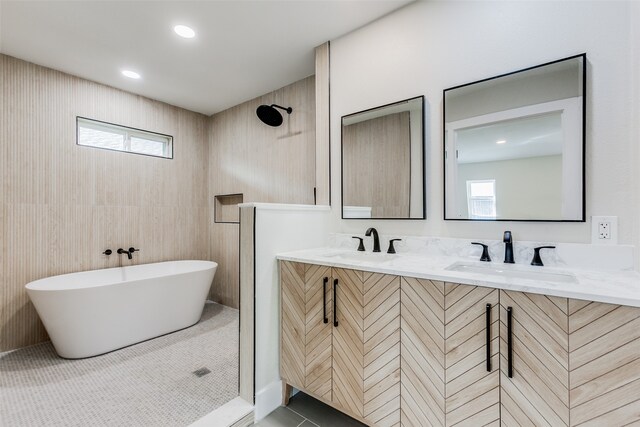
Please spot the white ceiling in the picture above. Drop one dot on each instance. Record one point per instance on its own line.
(242, 49)
(525, 137)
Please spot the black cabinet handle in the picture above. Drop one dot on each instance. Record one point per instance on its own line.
(324, 300)
(488, 315)
(335, 299)
(509, 342)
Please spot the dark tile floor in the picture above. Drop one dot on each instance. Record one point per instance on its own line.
(305, 411)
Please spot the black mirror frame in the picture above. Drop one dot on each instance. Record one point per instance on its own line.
(584, 143)
(424, 155)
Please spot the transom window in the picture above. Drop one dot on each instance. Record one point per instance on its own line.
(481, 199)
(108, 136)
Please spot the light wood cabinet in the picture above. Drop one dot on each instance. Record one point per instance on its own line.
(416, 352)
(604, 359)
(366, 345)
(293, 322)
(535, 390)
(305, 347)
(318, 337)
(472, 355)
(422, 352)
(351, 361)
(348, 342)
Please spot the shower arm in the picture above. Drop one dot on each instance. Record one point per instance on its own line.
(288, 110)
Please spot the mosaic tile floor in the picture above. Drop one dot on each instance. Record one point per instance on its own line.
(148, 384)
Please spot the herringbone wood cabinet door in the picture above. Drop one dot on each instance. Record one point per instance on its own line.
(472, 392)
(318, 346)
(381, 349)
(538, 392)
(293, 322)
(366, 346)
(348, 338)
(306, 339)
(604, 357)
(422, 353)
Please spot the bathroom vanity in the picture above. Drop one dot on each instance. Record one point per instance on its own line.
(417, 340)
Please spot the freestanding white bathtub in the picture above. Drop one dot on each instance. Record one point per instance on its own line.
(95, 312)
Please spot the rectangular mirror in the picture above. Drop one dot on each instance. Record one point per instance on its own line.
(514, 145)
(383, 162)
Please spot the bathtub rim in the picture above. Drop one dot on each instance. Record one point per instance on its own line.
(38, 285)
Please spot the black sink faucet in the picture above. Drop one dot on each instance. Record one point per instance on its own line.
(376, 239)
(508, 248)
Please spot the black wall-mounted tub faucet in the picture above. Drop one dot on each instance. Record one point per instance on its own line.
(129, 252)
(121, 251)
(508, 248)
(376, 239)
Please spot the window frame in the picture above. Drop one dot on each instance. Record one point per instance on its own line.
(128, 132)
(470, 198)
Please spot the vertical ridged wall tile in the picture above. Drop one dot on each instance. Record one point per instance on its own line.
(24, 121)
(71, 239)
(62, 205)
(26, 233)
(265, 164)
(3, 171)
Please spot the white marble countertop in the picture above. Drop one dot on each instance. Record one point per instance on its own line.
(614, 287)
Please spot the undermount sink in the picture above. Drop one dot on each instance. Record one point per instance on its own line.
(515, 271)
(360, 256)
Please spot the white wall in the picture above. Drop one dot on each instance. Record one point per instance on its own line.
(634, 96)
(429, 46)
(515, 91)
(529, 187)
(279, 228)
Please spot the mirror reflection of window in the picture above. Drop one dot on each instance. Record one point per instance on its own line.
(481, 199)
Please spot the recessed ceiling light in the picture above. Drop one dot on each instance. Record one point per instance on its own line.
(130, 74)
(502, 141)
(184, 31)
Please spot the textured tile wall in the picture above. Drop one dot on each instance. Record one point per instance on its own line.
(265, 164)
(61, 204)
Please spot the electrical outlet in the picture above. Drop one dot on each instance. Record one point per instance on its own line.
(604, 230)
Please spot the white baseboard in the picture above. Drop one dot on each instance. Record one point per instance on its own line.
(268, 400)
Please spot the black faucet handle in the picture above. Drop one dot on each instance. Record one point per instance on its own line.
(536, 255)
(132, 250)
(485, 251)
(391, 249)
(507, 237)
(361, 245)
(107, 252)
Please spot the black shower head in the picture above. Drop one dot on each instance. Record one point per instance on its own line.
(270, 116)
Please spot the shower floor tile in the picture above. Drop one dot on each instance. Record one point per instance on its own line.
(171, 380)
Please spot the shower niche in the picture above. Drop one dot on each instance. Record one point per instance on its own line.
(226, 208)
